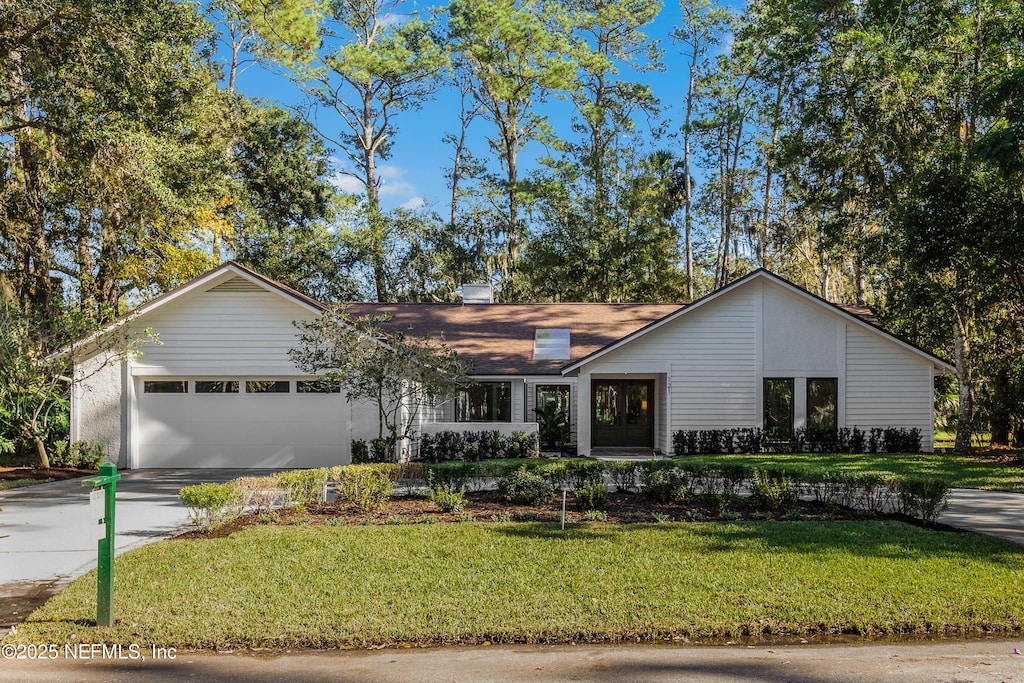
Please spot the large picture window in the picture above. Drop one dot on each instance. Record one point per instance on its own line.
(485, 402)
(778, 407)
(822, 399)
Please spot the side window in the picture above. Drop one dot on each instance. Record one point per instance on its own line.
(822, 402)
(778, 407)
(485, 402)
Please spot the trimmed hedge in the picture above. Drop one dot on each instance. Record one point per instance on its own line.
(754, 440)
(474, 446)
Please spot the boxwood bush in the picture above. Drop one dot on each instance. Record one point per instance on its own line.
(754, 440)
(477, 445)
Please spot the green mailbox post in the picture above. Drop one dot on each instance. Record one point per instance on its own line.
(107, 481)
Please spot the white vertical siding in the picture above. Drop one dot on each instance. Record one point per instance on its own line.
(887, 386)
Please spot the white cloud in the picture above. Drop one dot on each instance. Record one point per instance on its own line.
(347, 183)
(392, 181)
(393, 185)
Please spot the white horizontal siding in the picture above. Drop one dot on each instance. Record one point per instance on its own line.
(223, 331)
(886, 386)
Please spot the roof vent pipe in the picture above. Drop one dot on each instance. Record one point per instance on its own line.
(477, 294)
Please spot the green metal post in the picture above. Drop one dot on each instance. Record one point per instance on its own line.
(105, 550)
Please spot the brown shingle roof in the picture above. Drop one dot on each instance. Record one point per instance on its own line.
(499, 338)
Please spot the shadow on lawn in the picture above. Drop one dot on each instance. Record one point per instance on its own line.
(882, 539)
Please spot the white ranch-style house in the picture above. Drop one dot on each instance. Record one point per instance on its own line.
(219, 390)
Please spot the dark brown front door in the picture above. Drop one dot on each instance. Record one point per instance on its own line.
(623, 412)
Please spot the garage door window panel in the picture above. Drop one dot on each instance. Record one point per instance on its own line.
(216, 387)
(165, 386)
(267, 386)
(317, 386)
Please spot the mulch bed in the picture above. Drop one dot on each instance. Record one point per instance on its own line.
(489, 506)
(52, 474)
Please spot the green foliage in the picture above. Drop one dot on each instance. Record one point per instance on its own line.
(209, 504)
(85, 455)
(367, 487)
(744, 440)
(772, 492)
(623, 474)
(591, 496)
(390, 374)
(447, 498)
(924, 497)
(525, 487)
(473, 445)
(662, 483)
(595, 516)
(552, 426)
(303, 486)
(376, 451)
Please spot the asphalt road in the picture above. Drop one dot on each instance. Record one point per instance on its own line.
(932, 662)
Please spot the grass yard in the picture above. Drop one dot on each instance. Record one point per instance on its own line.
(957, 470)
(279, 586)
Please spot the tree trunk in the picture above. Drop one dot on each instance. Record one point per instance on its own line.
(1000, 417)
(965, 408)
(44, 459)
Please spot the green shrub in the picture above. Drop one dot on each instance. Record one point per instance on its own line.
(464, 517)
(209, 504)
(477, 445)
(592, 495)
(594, 516)
(304, 486)
(394, 520)
(661, 517)
(83, 455)
(368, 486)
(504, 516)
(261, 494)
(924, 497)
(377, 451)
(581, 471)
(447, 499)
(453, 475)
(660, 485)
(555, 472)
(525, 487)
(772, 491)
(426, 519)
(623, 474)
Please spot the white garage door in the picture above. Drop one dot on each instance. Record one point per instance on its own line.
(240, 422)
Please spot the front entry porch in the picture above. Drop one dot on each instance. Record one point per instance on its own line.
(623, 413)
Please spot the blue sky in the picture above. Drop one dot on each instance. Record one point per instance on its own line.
(414, 174)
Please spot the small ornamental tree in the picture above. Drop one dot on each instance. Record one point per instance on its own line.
(400, 374)
(37, 373)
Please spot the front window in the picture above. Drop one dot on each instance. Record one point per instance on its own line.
(556, 395)
(778, 407)
(485, 402)
(822, 400)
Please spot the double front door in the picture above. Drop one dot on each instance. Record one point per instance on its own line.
(623, 412)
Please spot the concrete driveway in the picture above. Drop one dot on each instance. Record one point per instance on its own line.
(44, 529)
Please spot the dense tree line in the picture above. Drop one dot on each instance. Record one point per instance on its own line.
(869, 150)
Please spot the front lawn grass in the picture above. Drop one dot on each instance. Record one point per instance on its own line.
(956, 470)
(468, 583)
